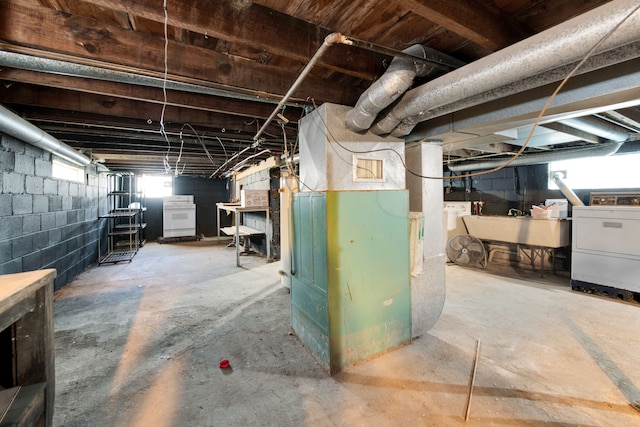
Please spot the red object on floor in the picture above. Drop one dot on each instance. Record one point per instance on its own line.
(224, 364)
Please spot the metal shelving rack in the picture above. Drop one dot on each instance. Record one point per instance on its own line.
(125, 219)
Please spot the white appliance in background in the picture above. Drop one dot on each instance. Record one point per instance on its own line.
(453, 213)
(605, 248)
(178, 216)
(559, 207)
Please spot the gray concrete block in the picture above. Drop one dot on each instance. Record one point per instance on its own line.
(93, 179)
(50, 186)
(77, 202)
(48, 256)
(32, 261)
(55, 237)
(74, 230)
(34, 185)
(43, 168)
(60, 280)
(5, 251)
(55, 203)
(7, 161)
(13, 183)
(40, 240)
(11, 267)
(74, 189)
(72, 217)
(61, 219)
(30, 224)
(20, 246)
(67, 203)
(74, 244)
(22, 204)
(6, 204)
(12, 144)
(10, 227)
(40, 203)
(91, 213)
(48, 221)
(61, 252)
(33, 151)
(63, 188)
(25, 164)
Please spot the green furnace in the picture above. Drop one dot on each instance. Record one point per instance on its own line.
(350, 270)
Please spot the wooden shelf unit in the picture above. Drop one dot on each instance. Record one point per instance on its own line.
(27, 369)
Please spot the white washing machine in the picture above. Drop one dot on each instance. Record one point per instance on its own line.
(606, 248)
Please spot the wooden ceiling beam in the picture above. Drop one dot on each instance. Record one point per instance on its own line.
(73, 101)
(255, 26)
(53, 119)
(53, 31)
(142, 93)
(469, 19)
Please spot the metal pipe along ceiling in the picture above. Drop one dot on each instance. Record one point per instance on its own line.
(54, 66)
(604, 149)
(598, 127)
(563, 44)
(16, 126)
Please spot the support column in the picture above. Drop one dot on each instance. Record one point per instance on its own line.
(426, 196)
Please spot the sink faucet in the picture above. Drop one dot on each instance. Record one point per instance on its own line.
(514, 212)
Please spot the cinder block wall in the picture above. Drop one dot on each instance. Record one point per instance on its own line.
(45, 222)
(512, 187)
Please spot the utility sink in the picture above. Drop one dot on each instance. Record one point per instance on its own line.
(550, 233)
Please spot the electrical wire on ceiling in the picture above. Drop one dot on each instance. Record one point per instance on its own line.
(167, 164)
(204, 147)
(243, 162)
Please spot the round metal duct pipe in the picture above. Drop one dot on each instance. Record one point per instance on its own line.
(64, 68)
(16, 126)
(598, 127)
(560, 45)
(394, 82)
(605, 149)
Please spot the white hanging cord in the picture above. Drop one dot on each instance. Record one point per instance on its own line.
(163, 132)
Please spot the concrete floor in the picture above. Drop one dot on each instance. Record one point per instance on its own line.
(139, 344)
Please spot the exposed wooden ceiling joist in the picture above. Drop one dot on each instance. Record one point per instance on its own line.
(229, 61)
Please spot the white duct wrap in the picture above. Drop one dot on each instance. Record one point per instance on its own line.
(16, 126)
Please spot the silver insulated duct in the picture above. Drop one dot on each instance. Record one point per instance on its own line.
(598, 127)
(395, 81)
(563, 44)
(16, 126)
(604, 149)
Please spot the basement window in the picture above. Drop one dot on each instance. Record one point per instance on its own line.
(156, 185)
(66, 171)
(597, 173)
(368, 169)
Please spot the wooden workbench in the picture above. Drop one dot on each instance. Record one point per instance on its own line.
(27, 369)
(241, 230)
